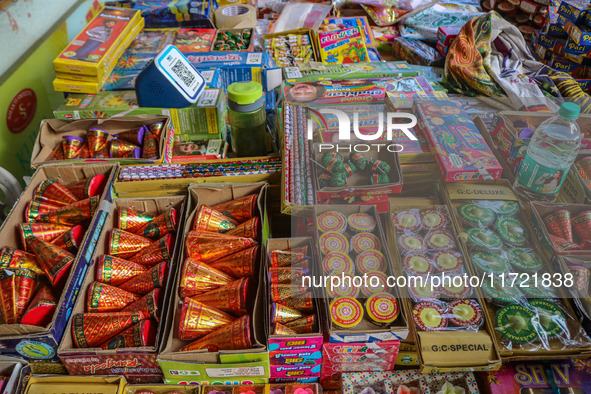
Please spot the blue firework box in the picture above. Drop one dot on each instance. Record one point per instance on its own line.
(171, 13)
(574, 10)
(125, 80)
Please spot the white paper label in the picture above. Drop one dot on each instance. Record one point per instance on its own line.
(181, 74)
(231, 372)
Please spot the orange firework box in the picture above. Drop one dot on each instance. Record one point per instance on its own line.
(216, 324)
(127, 286)
(45, 307)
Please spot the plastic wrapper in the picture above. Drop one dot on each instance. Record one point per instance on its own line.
(297, 15)
(417, 52)
(383, 16)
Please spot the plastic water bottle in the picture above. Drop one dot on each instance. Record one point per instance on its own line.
(550, 153)
(247, 116)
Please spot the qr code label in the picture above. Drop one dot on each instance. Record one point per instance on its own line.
(183, 73)
(180, 72)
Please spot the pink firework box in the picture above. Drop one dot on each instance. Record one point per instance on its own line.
(362, 356)
(343, 46)
(446, 34)
(461, 152)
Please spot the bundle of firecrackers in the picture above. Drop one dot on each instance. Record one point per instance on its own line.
(216, 276)
(124, 302)
(337, 170)
(569, 231)
(55, 221)
(293, 388)
(340, 237)
(292, 308)
(290, 50)
(232, 40)
(142, 142)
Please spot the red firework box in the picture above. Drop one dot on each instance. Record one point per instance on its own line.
(216, 331)
(51, 301)
(295, 352)
(118, 282)
(132, 139)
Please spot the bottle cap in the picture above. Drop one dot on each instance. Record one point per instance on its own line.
(244, 93)
(569, 110)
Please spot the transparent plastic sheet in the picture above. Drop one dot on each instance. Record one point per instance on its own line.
(410, 382)
(298, 15)
(523, 295)
(275, 388)
(383, 16)
(260, 29)
(580, 267)
(434, 266)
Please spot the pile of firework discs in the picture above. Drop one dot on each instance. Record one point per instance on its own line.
(351, 169)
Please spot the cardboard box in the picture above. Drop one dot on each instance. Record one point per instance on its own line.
(363, 356)
(40, 343)
(297, 32)
(136, 364)
(235, 366)
(161, 388)
(10, 370)
(52, 131)
(578, 292)
(217, 36)
(63, 384)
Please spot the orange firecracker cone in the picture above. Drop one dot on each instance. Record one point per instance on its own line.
(115, 271)
(199, 278)
(17, 288)
(156, 129)
(154, 278)
(207, 247)
(56, 262)
(583, 166)
(71, 145)
(84, 152)
(230, 298)
(89, 187)
(134, 136)
(57, 154)
(563, 245)
(155, 253)
(240, 209)
(581, 277)
(280, 329)
(238, 265)
(125, 245)
(52, 192)
(305, 325)
(148, 306)
(582, 225)
(141, 334)
(248, 229)
(7, 304)
(123, 149)
(94, 329)
(280, 292)
(41, 310)
(284, 258)
(16, 258)
(72, 214)
(97, 140)
(208, 219)
(106, 298)
(132, 220)
(45, 231)
(71, 239)
(198, 319)
(150, 147)
(283, 314)
(302, 303)
(162, 224)
(104, 152)
(233, 336)
(36, 208)
(286, 275)
(559, 224)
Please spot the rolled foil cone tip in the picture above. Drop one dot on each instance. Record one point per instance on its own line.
(90, 330)
(198, 319)
(198, 278)
(106, 298)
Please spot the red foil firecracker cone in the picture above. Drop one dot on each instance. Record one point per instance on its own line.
(84, 152)
(563, 245)
(302, 265)
(240, 209)
(584, 167)
(57, 154)
(162, 224)
(97, 140)
(248, 229)
(238, 265)
(148, 306)
(208, 247)
(141, 334)
(198, 319)
(16, 258)
(286, 275)
(305, 325)
(71, 145)
(280, 329)
(280, 292)
(301, 303)
(56, 262)
(144, 283)
(156, 252)
(135, 136)
(103, 153)
(116, 271)
(199, 278)
(559, 224)
(125, 245)
(582, 226)
(234, 336)
(36, 208)
(208, 219)
(45, 231)
(283, 314)
(132, 220)
(41, 309)
(93, 329)
(25, 283)
(123, 149)
(284, 258)
(72, 214)
(89, 187)
(71, 239)
(106, 298)
(7, 304)
(230, 298)
(150, 148)
(156, 129)
(52, 192)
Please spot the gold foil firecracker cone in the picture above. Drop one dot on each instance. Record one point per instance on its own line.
(156, 129)
(52, 192)
(148, 306)
(106, 298)
(305, 325)
(234, 336)
(162, 224)
(199, 278)
(283, 314)
(302, 303)
(280, 292)
(132, 220)
(580, 278)
(71, 145)
(230, 298)
(150, 148)
(240, 209)
(141, 334)
(286, 275)
(284, 258)
(583, 166)
(116, 271)
(123, 149)
(83, 152)
(45, 231)
(15, 258)
(134, 136)
(25, 283)
(154, 278)
(104, 152)
(280, 329)
(97, 140)
(89, 187)
(55, 262)
(125, 245)
(238, 265)
(208, 219)
(208, 247)
(156, 252)
(559, 224)
(248, 229)
(36, 208)
(41, 309)
(198, 319)
(71, 215)
(563, 245)
(93, 329)
(70, 240)
(582, 226)
(57, 154)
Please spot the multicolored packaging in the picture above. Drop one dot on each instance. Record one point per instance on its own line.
(343, 46)
(349, 71)
(194, 40)
(360, 22)
(170, 13)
